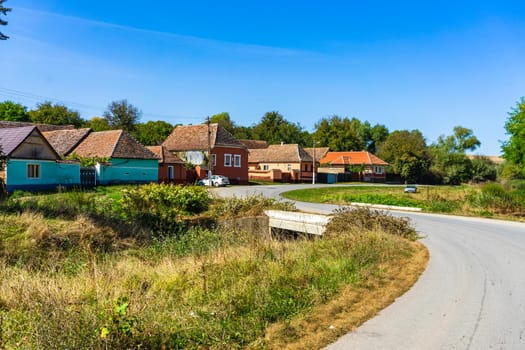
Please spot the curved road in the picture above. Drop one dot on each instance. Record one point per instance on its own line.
(471, 296)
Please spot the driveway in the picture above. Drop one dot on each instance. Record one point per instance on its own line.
(471, 296)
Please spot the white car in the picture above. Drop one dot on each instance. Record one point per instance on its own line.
(216, 180)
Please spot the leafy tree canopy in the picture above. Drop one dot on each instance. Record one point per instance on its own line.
(450, 164)
(14, 112)
(514, 148)
(55, 114)
(274, 129)
(122, 115)
(98, 124)
(407, 153)
(153, 133)
(224, 120)
(3, 11)
(344, 134)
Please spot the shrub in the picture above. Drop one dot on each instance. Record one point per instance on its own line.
(247, 206)
(356, 220)
(160, 207)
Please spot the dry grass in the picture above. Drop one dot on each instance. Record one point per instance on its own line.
(205, 289)
(351, 308)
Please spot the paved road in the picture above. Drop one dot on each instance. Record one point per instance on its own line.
(472, 295)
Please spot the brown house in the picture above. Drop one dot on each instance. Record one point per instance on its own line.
(229, 157)
(362, 165)
(285, 162)
(171, 167)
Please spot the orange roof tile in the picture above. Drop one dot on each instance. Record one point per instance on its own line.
(352, 158)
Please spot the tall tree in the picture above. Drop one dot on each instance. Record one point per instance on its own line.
(450, 164)
(14, 112)
(4, 11)
(514, 148)
(122, 115)
(407, 153)
(274, 129)
(344, 134)
(153, 133)
(224, 120)
(56, 114)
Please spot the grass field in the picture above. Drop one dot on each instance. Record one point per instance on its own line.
(69, 281)
(488, 200)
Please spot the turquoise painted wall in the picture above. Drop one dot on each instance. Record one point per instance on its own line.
(124, 170)
(52, 174)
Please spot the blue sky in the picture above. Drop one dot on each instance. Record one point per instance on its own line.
(405, 64)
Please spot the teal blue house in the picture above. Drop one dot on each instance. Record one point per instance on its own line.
(30, 163)
(121, 158)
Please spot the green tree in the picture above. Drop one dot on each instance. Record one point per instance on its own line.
(153, 133)
(450, 164)
(274, 129)
(122, 115)
(98, 124)
(344, 134)
(224, 120)
(14, 112)
(514, 148)
(55, 114)
(4, 11)
(407, 153)
(483, 169)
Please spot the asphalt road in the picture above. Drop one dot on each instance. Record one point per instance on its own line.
(471, 296)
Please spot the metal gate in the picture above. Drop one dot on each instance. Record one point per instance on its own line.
(88, 177)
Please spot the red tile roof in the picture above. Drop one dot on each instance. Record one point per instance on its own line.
(195, 137)
(112, 144)
(352, 158)
(41, 127)
(287, 153)
(165, 156)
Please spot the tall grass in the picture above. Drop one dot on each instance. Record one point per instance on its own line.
(203, 289)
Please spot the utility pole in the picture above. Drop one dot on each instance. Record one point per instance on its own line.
(209, 150)
(313, 167)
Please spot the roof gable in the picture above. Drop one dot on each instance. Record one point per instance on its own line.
(320, 152)
(12, 140)
(64, 141)
(195, 137)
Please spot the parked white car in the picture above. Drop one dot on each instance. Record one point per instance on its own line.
(216, 180)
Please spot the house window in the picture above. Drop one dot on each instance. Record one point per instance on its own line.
(214, 159)
(170, 173)
(237, 160)
(266, 167)
(33, 171)
(228, 160)
(289, 167)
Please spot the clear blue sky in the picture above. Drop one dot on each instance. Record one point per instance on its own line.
(405, 64)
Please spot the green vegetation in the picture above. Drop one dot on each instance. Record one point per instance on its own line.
(489, 200)
(98, 270)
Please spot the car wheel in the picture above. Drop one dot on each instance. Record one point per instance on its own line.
(216, 184)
